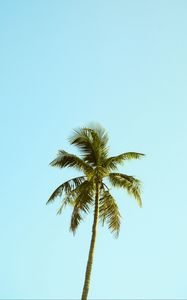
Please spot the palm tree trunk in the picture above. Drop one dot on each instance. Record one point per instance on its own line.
(92, 247)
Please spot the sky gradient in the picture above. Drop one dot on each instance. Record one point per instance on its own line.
(63, 65)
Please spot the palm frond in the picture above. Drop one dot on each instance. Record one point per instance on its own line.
(66, 187)
(67, 200)
(82, 203)
(109, 212)
(65, 159)
(92, 143)
(111, 163)
(129, 183)
(76, 218)
(81, 195)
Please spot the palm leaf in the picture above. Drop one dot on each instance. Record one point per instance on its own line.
(82, 204)
(92, 143)
(65, 159)
(109, 212)
(68, 200)
(129, 183)
(112, 162)
(67, 187)
(72, 197)
(76, 218)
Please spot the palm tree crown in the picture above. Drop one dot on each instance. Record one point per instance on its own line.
(96, 166)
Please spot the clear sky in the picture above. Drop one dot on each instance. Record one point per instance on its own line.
(64, 64)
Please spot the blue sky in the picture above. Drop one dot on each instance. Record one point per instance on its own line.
(63, 65)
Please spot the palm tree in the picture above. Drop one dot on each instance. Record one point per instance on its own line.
(91, 190)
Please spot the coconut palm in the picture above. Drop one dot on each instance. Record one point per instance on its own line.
(90, 189)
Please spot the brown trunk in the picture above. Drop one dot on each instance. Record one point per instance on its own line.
(92, 247)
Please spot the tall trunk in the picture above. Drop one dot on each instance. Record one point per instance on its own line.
(92, 247)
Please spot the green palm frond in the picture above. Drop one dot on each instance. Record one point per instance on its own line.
(100, 134)
(77, 195)
(65, 159)
(66, 187)
(67, 200)
(129, 183)
(109, 212)
(92, 143)
(76, 218)
(85, 199)
(111, 163)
